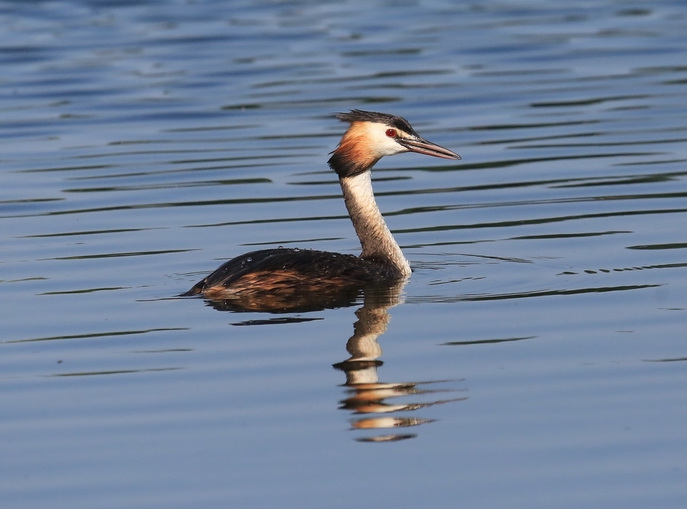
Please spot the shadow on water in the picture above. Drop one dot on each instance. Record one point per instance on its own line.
(366, 397)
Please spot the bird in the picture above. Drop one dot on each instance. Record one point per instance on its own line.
(283, 274)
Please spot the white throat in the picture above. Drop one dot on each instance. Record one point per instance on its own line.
(375, 238)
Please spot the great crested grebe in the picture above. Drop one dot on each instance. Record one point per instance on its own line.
(370, 136)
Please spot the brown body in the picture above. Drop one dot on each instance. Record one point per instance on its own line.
(291, 279)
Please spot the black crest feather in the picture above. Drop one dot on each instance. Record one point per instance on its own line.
(381, 118)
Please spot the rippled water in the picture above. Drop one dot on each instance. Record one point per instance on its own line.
(536, 358)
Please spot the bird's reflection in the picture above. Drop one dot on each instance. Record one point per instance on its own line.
(291, 302)
(366, 395)
(373, 403)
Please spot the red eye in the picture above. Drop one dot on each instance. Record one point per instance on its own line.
(391, 133)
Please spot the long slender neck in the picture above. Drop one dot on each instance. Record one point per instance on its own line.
(375, 237)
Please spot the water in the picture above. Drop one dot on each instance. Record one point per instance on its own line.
(535, 358)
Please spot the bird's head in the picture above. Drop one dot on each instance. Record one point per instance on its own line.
(372, 136)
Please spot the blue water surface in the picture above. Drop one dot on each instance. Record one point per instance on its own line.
(535, 359)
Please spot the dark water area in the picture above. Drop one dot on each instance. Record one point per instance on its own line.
(535, 359)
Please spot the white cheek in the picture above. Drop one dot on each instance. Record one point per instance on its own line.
(382, 144)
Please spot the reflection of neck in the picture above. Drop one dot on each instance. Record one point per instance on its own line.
(373, 319)
(372, 323)
(375, 238)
